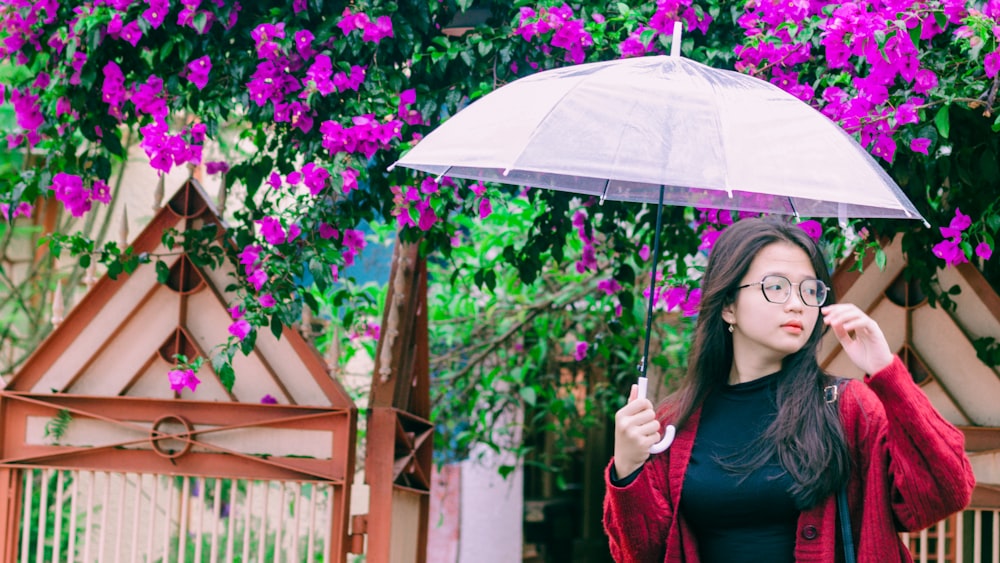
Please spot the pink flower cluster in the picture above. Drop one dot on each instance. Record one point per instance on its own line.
(484, 205)
(275, 234)
(312, 175)
(951, 248)
(366, 136)
(662, 23)
(69, 189)
(670, 298)
(371, 31)
(278, 77)
(181, 378)
(240, 327)
(22, 209)
(568, 33)
(872, 42)
(28, 114)
(165, 150)
(588, 258)
(412, 206)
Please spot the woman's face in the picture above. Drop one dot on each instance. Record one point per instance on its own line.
(765, 332)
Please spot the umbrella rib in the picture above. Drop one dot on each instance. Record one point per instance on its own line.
(791, 203)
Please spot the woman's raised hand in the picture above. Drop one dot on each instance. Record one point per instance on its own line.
(636, 430)
(860, 336)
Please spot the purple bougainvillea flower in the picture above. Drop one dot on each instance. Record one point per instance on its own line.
(216, 167)
(920, 145)
(349, 177)
(485, 208)
(267, 301)
(950, 251)
(197, 71)
(156, 12)
(812, 228)
(70, 191)
(609, 286)
(644, 252)
(249, 256)
(984, 250)
(294, 230)
(268, 400)
(101, 192)
(179, 379)
(427, 217)
(581, 351)
(271, 230)
(131, 33)
(327, 231)
(335, 272)
(303, 43)
(274, 180)
(257, 279)
(240, 328)
(960, 221)
(315, 177)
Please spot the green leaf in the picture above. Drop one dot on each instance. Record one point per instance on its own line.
(226, 376)
(529, 395)
(880, 259)
(276, 326)
(162, 272)
(942, 121)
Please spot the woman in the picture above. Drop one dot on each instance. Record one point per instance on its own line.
(765, 439)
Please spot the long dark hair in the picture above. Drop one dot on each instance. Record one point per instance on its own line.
(806, 435)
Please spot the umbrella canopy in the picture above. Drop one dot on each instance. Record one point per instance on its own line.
(621, 129)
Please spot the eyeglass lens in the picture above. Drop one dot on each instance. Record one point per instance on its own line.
(777, 289)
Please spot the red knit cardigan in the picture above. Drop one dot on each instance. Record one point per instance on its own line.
(909, 471)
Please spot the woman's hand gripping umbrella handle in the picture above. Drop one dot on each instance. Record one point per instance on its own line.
(668, 432)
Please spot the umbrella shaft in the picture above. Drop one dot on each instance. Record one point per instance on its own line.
(644, 364)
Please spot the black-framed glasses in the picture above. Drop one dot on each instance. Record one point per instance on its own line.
(777, 289)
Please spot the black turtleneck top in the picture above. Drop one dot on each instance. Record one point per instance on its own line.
(745, 517)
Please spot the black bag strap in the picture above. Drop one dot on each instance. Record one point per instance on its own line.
(832, 393)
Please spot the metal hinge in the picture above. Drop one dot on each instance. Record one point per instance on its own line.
(359, 527)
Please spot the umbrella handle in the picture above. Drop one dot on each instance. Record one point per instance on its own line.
(668, 432)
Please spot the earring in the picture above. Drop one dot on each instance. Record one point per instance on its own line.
(730, 329)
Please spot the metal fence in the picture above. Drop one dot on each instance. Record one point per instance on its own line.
(110, 517)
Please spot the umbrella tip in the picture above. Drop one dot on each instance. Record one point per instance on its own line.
(675, 44)
(506, 171)
(391, 167)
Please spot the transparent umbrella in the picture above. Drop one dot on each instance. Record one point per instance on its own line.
(663, 129)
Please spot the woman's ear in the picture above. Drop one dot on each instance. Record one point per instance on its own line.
(728, 315)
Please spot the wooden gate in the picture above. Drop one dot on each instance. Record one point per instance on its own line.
(91, 416)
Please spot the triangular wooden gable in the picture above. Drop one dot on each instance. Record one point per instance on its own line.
(937, 346)
(106, 366)
(119, 340)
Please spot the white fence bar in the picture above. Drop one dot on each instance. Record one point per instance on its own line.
(231, 521)
(977, 535)
(248, 523)
(942, 540)
(89, 526)
(923, 546)
(74, 494)
(182, 527)
(199, 508)
(29, 489)
(959, 535)
(105, 503)
(262, 546)
(136, 517)
(216, 516)
(42, 514)
(996, 537)
(60, 499)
